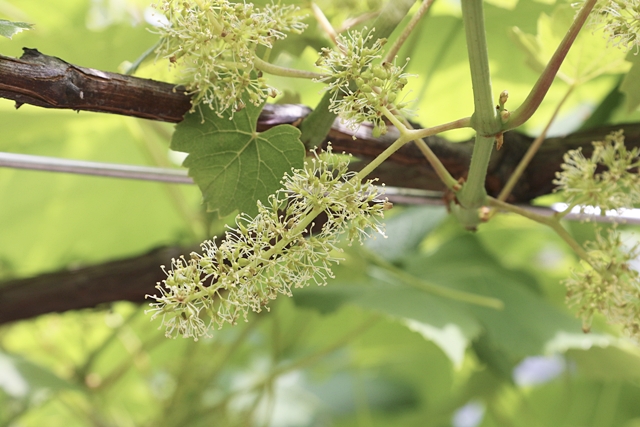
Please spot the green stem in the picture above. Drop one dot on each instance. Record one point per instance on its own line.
(533, 149)
(484, 120)
(404, 138)
(550, 221)
(134, 66)
(569, 208)
(435, 289)
(276, 70)
(540, 89)
(324, 22)
(406, 32)
(426, 151)
(473, 194)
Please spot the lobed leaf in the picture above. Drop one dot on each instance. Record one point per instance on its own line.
(232, 163)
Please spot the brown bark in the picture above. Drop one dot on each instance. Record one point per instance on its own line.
(53, 83)
(50, 82)
(127, 279)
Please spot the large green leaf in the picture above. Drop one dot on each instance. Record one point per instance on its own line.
(527, 321)
(232, 163)
(405, 232)
(447, 323)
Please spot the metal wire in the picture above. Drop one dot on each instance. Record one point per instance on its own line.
(52, 164)
(178, 176)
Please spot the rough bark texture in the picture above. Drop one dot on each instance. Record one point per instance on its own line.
(128, 279)
(50, 82)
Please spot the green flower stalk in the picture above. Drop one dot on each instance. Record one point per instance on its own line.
(215, 42)
(269, 254)
(361, 88)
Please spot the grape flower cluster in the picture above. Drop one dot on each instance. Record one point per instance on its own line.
(215, 42)
(360, 85)
(269, 254)
(606, 282)
(606, 179)
(620, 19)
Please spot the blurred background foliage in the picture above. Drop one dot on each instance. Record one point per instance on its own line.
(370, 349)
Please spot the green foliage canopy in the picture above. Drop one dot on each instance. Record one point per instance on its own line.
(372, 348)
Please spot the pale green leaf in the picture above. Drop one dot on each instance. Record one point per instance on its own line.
(232, 163)
(589, 56)
(8, 28)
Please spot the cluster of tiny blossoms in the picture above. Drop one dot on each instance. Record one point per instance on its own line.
(620, 19)
(215, 41)
(608, 179)
(361, 87)
(269, 254)
(607, 285)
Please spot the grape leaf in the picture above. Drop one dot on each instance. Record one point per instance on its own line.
(232, 163)
(589, 57)
(9, 28)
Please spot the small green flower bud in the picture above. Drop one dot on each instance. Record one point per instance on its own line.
(380, 72)
(391, 97)
(367, 74)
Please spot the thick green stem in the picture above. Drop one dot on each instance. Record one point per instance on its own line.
(484, 120)
(540, 89)
(484, 117)
(473, 194)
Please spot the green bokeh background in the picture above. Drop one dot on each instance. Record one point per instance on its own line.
(367, 350)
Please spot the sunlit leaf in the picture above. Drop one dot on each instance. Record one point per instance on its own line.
(232, 163)
(589, 56)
